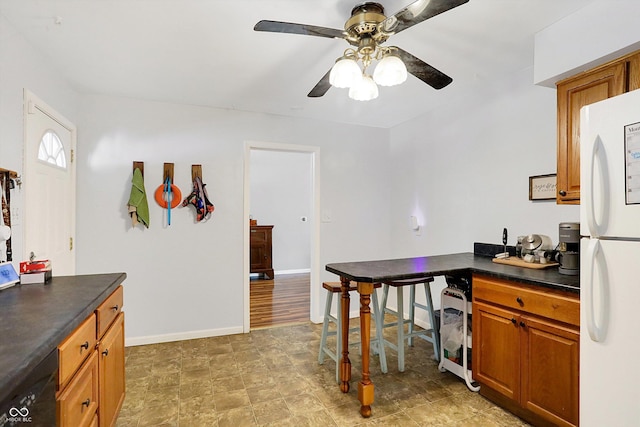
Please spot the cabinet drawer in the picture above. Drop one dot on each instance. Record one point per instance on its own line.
(109, 310)
(259, 236)
(547, 303)
(75, 349)
(78, 403)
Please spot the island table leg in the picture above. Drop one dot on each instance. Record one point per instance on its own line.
(365, 386)
(345, 363)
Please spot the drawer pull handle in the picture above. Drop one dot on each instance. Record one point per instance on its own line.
(513, 321)
(563, 193)
(523, 324)
(105, 352)
(86, 403)
(519, 301)
(85, 345)
(115, 307)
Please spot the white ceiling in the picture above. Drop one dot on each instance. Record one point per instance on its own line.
(205, 52)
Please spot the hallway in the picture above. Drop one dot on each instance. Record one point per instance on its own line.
(282, 301)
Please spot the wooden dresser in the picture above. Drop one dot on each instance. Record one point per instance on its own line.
(261, 255)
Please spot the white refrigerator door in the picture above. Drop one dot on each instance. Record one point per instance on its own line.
(609, 167)
(609, 295)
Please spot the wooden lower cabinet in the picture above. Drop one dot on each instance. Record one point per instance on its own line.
(91, 385)
(550, 372)
(78, 403)
(524, 358)
(111, 376)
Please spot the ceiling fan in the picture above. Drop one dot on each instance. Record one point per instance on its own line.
(367, 30)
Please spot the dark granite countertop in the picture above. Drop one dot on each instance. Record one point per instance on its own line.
(35, 318)
(452, 264)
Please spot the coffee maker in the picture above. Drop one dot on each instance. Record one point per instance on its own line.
(569, 248)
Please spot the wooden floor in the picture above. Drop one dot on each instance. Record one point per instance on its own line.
(281, 301)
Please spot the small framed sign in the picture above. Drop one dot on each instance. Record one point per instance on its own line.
(542, 187)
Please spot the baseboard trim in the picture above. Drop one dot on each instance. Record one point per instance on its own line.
(181, 336)
(296, 271)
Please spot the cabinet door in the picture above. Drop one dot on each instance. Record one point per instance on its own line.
(259, 258)
(573, 94)
(496, 349)
(111, 367)
(550, 370)
(78, 402)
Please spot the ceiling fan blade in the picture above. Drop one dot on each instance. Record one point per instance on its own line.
(415, 13)
(292, 28)
(425, 72)
(321, 87)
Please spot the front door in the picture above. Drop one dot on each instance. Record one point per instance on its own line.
(49, 183)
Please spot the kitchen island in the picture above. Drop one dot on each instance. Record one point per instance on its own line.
(36, 318)
(366, 273)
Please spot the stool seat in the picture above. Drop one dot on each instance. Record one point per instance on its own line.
(405, 282)
(334, 288)
(429, 335)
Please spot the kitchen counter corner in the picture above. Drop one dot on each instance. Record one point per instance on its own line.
(35, 318)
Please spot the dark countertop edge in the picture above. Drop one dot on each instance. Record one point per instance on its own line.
(465, 264)
(13, 379)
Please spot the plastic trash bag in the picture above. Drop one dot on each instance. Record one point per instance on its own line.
(451, 332)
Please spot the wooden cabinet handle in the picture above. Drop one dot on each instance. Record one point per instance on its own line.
(562, 193)
(85, 345)
(86, 403)
(105, 352)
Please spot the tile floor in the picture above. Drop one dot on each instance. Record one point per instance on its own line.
(271, 377)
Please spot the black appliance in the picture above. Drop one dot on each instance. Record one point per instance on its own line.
(569, 248)
(33, 401)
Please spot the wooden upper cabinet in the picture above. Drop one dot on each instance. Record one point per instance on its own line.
(574, 93)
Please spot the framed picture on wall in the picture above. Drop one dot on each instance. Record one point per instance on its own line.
(542, 187)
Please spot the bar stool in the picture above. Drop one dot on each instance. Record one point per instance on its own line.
(429, 335)
(377, 343)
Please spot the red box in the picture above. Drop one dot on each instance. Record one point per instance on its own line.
(34, 266)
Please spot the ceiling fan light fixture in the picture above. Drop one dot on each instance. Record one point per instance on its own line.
(390, 71)
(345, 73)
(365, 90)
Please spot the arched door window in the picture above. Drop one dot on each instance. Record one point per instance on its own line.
(51, 150)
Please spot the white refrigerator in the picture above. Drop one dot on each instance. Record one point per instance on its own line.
(610, 262)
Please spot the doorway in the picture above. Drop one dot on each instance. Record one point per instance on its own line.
(50, 186)
(305, 221)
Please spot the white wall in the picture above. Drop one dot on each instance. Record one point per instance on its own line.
(281, 196)
(464, 170)
(186, 279)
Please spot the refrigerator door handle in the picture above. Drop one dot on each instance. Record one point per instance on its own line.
(597, 153)
(597, 330)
